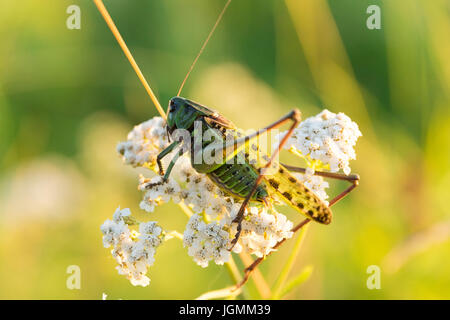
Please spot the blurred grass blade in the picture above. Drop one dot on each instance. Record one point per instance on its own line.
(260, 283)
(297, 281)
(104, 12)
(228, 292)
(328, 60)
(290, 262)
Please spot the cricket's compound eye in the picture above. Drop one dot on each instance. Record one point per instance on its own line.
(175, 103)
(171, 107)
(174, 106)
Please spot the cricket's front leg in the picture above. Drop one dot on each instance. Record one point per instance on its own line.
(164, 153)
(160, 156)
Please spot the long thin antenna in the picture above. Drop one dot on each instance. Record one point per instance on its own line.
(115, 32)
(204, 45)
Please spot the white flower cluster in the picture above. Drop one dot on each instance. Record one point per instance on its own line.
(195, 189)
(262, 230)
(328, 138)
(144, 143)
(208, 241)
(158, 194)
(316, 184)
(133, 251)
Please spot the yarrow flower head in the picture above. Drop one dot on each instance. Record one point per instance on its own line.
(262, 229)
(326, 139)
(316, 184)
(159, 193)
(134, 251)
(144, 143)
(208, 241)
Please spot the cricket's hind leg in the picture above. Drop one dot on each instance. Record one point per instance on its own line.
(248, 271)
(352, 178)
(295, 117)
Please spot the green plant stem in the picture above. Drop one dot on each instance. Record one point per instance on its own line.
(289, 264)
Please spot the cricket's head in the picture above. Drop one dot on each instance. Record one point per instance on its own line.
(181, 114)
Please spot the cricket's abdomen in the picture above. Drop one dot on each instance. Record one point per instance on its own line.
(238, 179)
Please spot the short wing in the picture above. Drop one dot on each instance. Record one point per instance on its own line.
(297, 195)
(212, 116)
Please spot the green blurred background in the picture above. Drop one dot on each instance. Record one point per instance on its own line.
(68, 96)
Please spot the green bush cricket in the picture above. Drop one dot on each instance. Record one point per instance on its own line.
(235, 174)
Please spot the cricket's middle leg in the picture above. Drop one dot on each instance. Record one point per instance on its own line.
(294, 116)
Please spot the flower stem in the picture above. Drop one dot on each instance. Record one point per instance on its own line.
(235, 276)
(233, 270)
(228, 292)
(174, 234)
(185, 209)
